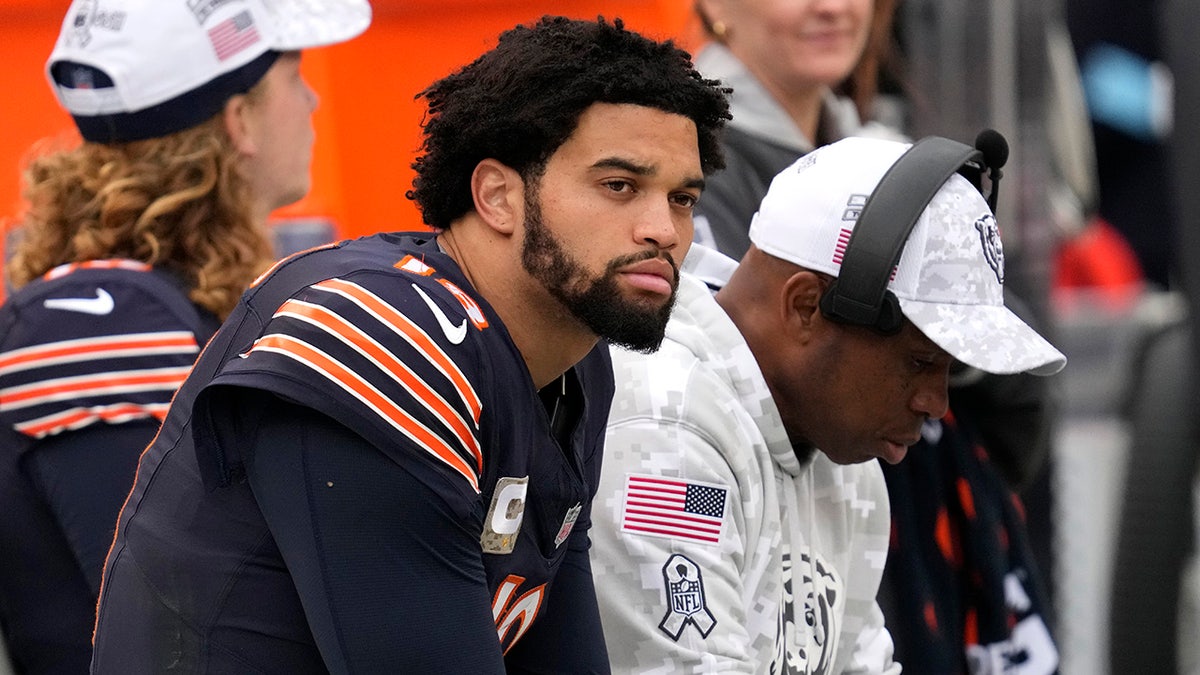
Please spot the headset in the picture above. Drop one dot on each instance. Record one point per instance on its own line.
(859, 295)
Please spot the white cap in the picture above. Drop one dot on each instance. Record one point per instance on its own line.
(134, 69)
(949, 280)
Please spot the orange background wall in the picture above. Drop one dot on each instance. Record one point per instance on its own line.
(368, 121)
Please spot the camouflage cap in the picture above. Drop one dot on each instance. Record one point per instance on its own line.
(949, 280)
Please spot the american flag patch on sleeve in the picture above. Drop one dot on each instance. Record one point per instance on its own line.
(673, 508)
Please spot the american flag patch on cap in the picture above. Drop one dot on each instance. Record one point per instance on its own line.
(674, 508)
(233, 35)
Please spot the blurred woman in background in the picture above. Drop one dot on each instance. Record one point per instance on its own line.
(804, 74)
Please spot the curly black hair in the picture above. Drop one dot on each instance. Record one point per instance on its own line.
(522, 100)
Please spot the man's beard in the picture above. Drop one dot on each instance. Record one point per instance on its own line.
(596, 301)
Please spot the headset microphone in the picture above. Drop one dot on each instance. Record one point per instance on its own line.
(994, 148)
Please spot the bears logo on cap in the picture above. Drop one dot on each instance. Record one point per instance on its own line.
(993, 251)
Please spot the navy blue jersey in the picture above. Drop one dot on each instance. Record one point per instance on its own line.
(90, 356)
(360, 476)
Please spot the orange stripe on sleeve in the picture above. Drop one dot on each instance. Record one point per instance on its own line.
(389, 364)
(107, 347)
(77, 418)
(60, 389)
(376, 401)
(406, 328)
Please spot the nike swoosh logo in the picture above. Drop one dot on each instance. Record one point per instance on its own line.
(455, 334)
(100, 305)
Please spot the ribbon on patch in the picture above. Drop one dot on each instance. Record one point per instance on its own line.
(685, 599)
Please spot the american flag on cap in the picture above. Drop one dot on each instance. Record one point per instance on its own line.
(674, 508)
(233, 35)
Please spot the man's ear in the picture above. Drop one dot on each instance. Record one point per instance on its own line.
(499, 195)
(238, 124)
(800, 303)
(714, 10)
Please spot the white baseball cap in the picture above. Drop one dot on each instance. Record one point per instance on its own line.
(134, 69)
(949, 281)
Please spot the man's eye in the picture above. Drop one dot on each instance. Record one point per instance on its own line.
(619, 185)
(684, 199)
(921, 364)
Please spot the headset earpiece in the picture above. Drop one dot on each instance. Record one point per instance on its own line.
(859, 294)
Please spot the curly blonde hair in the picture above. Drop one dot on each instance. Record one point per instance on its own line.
(176, 202)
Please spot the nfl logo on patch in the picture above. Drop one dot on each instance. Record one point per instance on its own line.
(685, 598)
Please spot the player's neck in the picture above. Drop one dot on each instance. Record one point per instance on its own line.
(549, 338)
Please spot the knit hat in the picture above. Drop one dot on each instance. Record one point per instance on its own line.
(949, 280)
(129, 70)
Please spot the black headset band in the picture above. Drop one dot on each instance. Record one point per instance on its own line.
(859, 294)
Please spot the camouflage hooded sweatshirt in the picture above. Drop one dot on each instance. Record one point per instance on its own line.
(715, 549)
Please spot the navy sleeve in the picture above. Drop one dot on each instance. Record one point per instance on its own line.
(390, 577)
(341, 347)
(84, 477)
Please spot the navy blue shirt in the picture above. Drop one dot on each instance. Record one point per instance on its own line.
(359, 476)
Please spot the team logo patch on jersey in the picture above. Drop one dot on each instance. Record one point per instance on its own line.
(685, 598)
(674, 508)
(568, 525)
(503, 522)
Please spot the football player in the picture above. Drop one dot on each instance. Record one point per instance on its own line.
(385, 459)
